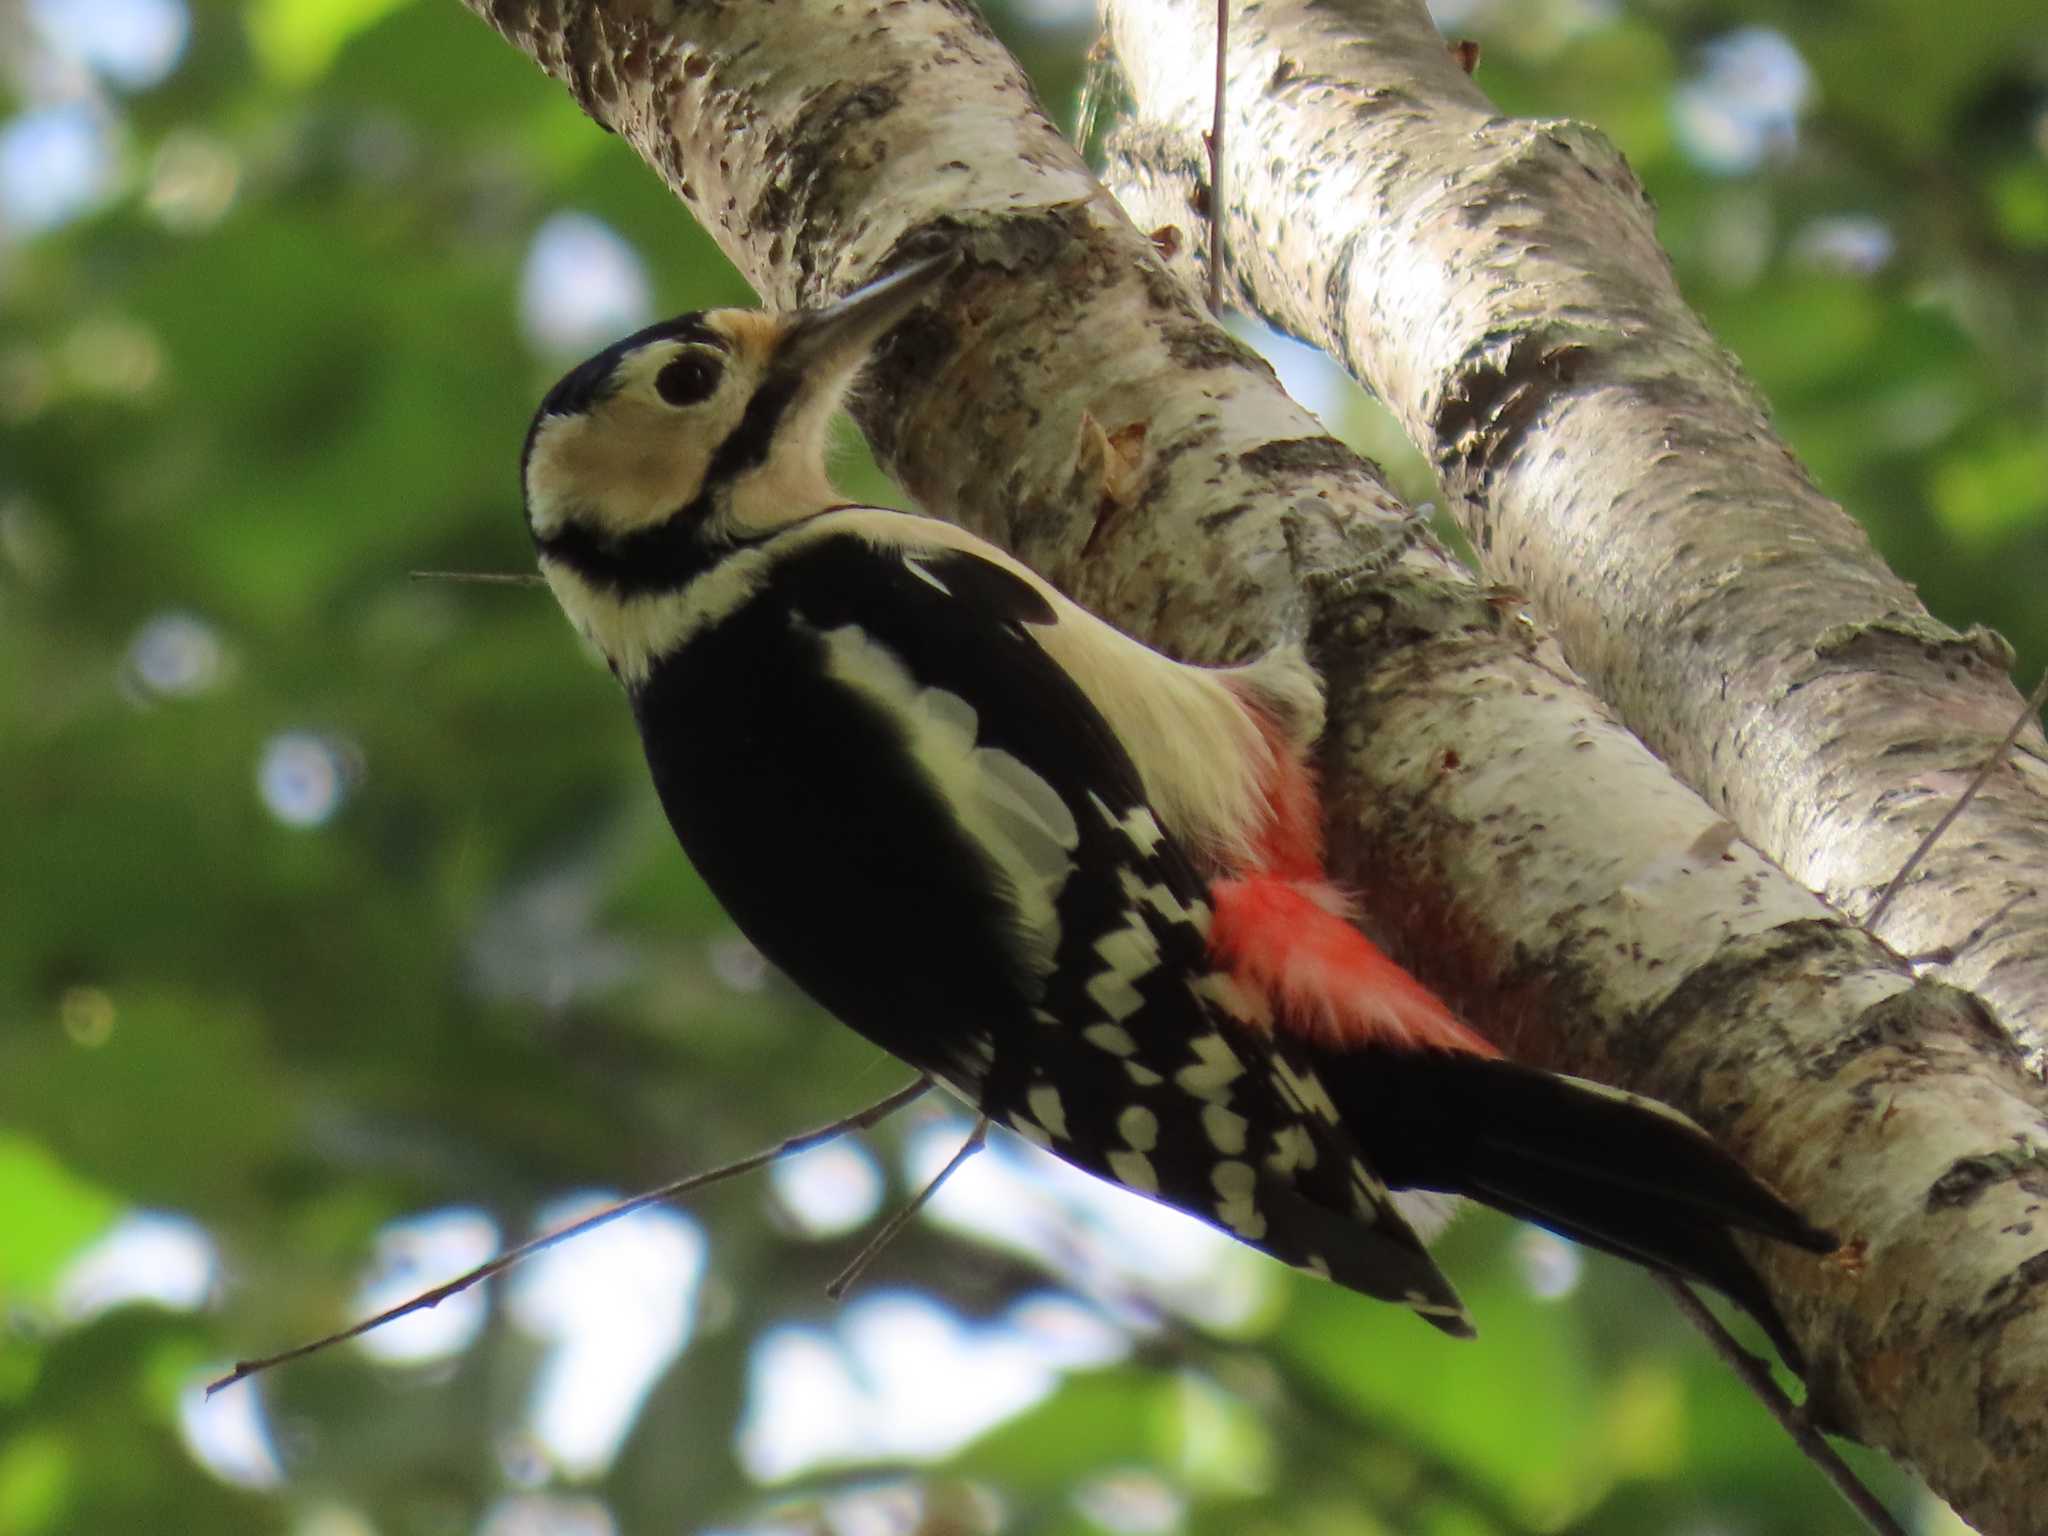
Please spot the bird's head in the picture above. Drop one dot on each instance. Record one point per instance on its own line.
(699, 431)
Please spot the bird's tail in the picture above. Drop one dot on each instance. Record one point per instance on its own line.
(1609, 1169)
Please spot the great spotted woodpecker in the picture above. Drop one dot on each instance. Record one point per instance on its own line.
(1077, 882)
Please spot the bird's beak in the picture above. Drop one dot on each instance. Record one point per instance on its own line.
(824, 343)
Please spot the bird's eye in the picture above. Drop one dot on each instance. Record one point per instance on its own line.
(689, 379)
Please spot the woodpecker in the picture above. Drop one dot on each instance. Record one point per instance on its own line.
(1077, 882)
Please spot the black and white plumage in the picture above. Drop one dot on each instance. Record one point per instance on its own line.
(1074, 880)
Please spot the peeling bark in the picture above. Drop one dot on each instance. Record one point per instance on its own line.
(1517, 847)
(1497, 281)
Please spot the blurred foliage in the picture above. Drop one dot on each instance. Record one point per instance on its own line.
(335, 896)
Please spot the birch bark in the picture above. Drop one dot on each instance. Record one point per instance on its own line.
(1498, 283)
(1521, 850)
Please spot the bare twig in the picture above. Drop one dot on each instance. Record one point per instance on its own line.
(483, 578)
(1216, 161)
(1755, 1375)
(842, 1282)
(1998, 755)
(859, 1121)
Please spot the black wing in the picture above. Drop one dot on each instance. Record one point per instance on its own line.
(921, 818)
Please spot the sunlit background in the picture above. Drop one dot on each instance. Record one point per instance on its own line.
(343, 944)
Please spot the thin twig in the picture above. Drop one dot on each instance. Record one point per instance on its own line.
(1998, 755)
(1216, 162)
(1755, 1375)
(483, 578)
(859, 1121)
(842, 1282)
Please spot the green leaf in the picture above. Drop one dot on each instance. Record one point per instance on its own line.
(295, 40)
(37, 1473)
(51, 1214)
(1516, 1410)
(1992, 488)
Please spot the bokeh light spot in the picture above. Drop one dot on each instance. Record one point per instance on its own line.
(229, 1433)
(1131, 1503)
(1549, 1266)
(56, 163)
(132, 43)
(87, 1015)
(583, 287)
(616, 1305)
(305, 777)
(547, 1514)
(176, 656)
(829, 1189)
(147, 1256)
(193, 179)
(1744, 104)
(413, 1255)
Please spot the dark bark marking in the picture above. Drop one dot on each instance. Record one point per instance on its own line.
(1300, 456)
(1492, 407)
(814, 146)
(2011, 1296)
(1969, 1177)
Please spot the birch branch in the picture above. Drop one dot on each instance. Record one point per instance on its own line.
(1527, 855)
(1497, 281)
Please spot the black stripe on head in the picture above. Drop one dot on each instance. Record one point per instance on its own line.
(746, 445)
(596, 378)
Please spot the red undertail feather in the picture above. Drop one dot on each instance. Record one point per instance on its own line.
(1288, 942)
(1283, 930)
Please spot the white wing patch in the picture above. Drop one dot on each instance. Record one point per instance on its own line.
(1293, 1148)
(1164, 902)
(1225, 1129)
(1044, 1103)
(1131, 953)
(1235, 1184)
(1017, 820)
(1133, 1170)
(1113, 1038)
(1139, 826)
(1214, 1069)
(1139, 1128)
(923, 572)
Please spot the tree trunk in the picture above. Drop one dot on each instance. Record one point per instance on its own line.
(1514, 844)
(1498, 283)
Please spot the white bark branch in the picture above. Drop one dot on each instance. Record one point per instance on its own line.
(1516, 846)
(1498, 283)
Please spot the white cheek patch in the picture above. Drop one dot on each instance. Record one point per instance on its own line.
(634, 632)
(1014, 818)
(623, 466)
